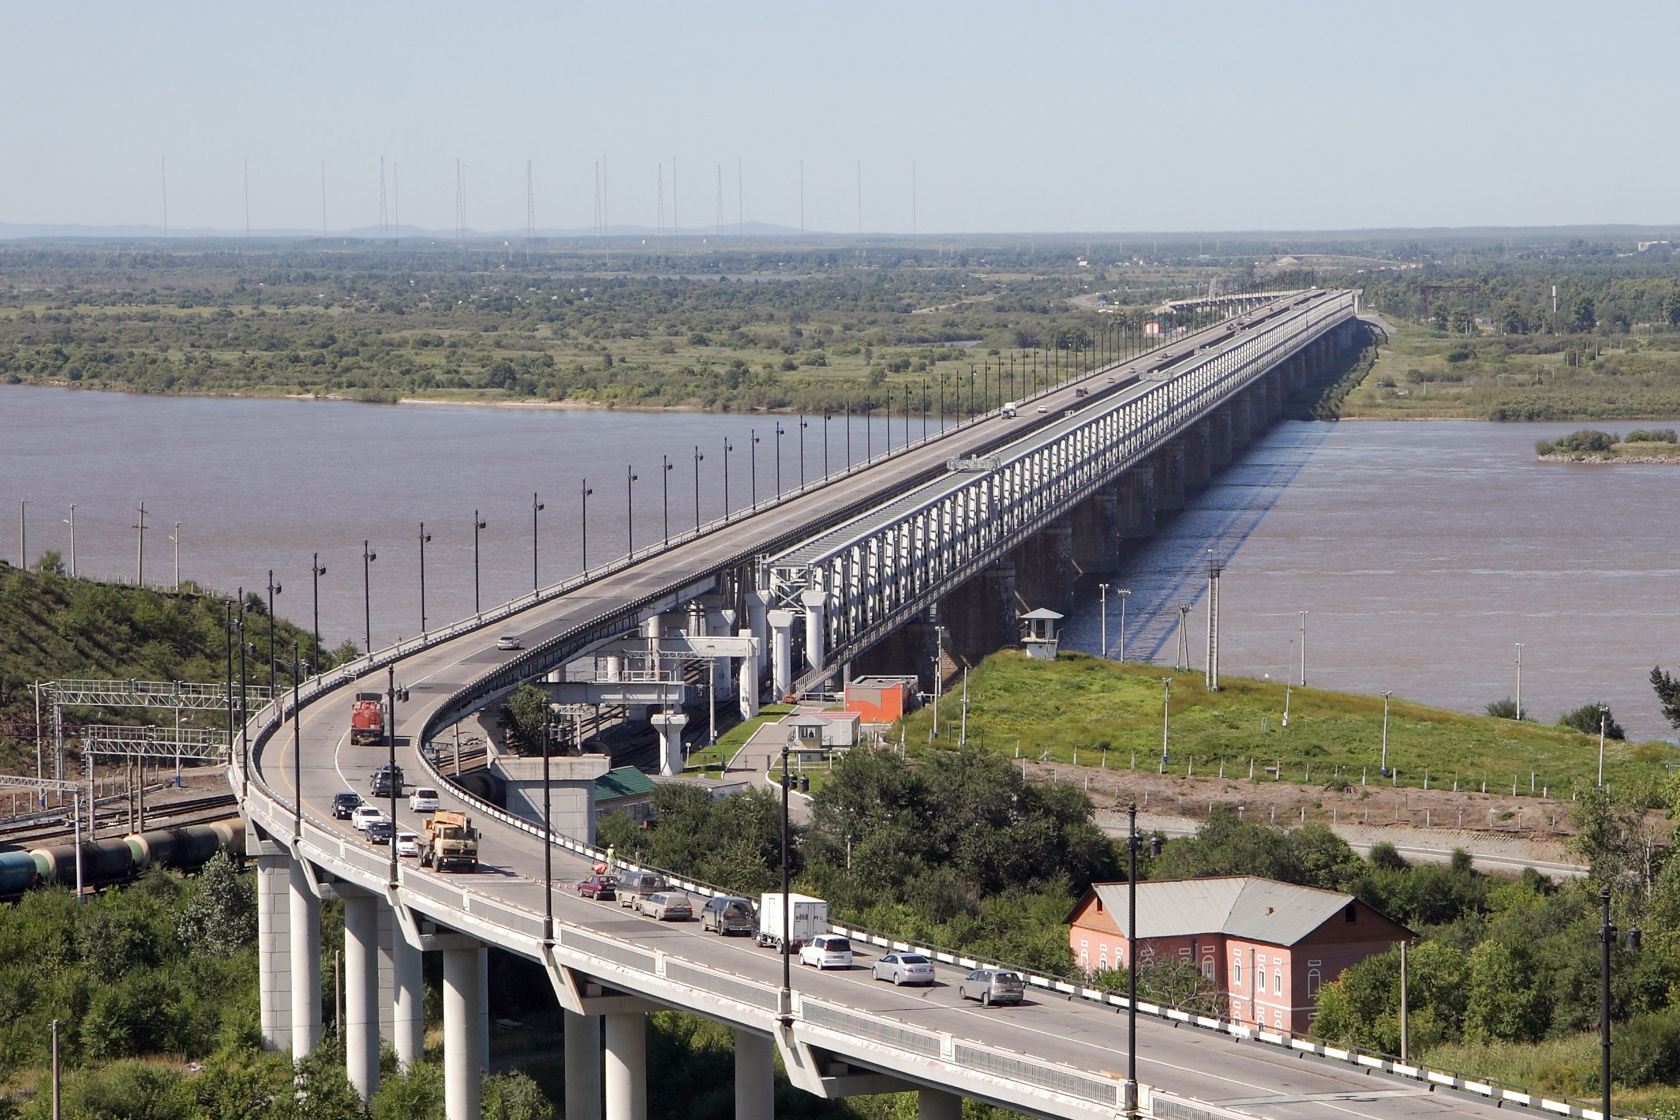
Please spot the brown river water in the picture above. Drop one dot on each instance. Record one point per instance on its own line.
(1422, 551)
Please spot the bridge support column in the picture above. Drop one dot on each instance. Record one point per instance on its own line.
(670, 727)
(583, 1065)
(781, 652)
(408, 990)
(936, 1104)
(1219, 438)
(1137, 507)
(748, 681)
(755, 1076)
(1044, 572)
(758, 620)
(361, 993)
(1168, 468)
(306, 963)
(463, 1052)
(1096, 532)
(625, 1079)
(816, 628)
(274, 963)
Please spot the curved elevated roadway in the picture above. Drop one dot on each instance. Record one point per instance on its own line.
(837, 1032)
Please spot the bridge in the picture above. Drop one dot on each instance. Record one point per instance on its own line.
(1079, 466)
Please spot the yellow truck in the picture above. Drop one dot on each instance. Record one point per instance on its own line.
(449, 842)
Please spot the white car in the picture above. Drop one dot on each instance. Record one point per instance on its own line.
(365, 815)
(423, 800)
(508, 641)
(826, 950)
(408, 844)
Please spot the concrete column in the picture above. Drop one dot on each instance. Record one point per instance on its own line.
(625, 1078)
(758, 621)
(936, 1104)
(583, 1066)
(781, 652)
(748, 683)
(306, 963)
(755, 1076)
(274, 962)
(816, 627)
(408, 1023)
(484, 1007)
(463, 1053)
(361, 993)
(670, 726)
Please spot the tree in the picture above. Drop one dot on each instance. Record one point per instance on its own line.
(1668, 695)
(1583, 316)
(1508, 997)
(221, 917)
(1590, 719)
(527, 715)
(1506, 708)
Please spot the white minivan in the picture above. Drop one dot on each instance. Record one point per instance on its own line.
(826, 950)
(423, 800)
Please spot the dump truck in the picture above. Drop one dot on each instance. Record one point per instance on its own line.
(449, 842)
(807, 917)
(367, 719)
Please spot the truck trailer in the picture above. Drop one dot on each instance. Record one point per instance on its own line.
(449, 842)
(367, 719)
(807, 917)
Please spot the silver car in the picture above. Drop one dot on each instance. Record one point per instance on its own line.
(667, 906)
(903, 968)
(992, 985)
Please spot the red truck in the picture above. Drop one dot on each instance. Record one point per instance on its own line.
(367, 719)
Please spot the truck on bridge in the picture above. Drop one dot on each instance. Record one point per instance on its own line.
(449, 842)
(367, 719)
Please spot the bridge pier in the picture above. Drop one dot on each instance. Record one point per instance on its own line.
(361, 992)
(625, 1078)
(816, 606)
(463, 1041)
(936, 1104)
(1044, 571)
(1096, 532)
(781, 653)
(582, 1043)
(274, 961)
(755, 1076)
(305, 914)
(747, 682)
(1167, 467)
(670, 726)
(408, 990)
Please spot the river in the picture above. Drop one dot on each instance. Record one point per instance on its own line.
(1422, 551)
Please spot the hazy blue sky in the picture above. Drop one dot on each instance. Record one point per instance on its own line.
(1269, 114)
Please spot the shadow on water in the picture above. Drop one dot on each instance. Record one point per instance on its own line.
(1171, 568)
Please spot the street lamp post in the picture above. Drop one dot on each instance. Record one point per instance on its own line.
(1166, 717)
(802, 426)
(827, 418)
(1607, 938)
(1102, 611)
(630, 479)
(175, 539)
(1383, 768)
(665, 491)
(698, 459)
(536, 508)
(1303, 649)
(785, 1004)
(1519, 646)
(1134, 841)
(23, 534)
(424, 537)
(1603, 717)
(583, 494)
(548, 835)
(316, 571)
(779, 434)
(1124, 593)
(273, 590)
(752, 467)
(72, 523)
(368, 557)
(478, 523)
(727, 448)
(140, 548)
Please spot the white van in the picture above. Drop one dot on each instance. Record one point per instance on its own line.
(423, 800)
(827, 950)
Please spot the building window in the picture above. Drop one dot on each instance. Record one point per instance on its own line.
(1236, 974)
(1207, 968)
(1104, 952)
(1313, 982)
(1277, 983)
(1351, 913)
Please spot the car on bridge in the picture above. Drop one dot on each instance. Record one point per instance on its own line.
(380, 831)
(424, 799)
(992, 985)
(408, 844)
(726, 914)
(344, 804)
(603, 887)
(633, 886)
(364, 815)
(826, 950)
(667, 906)
(903, 968)
(509, 641)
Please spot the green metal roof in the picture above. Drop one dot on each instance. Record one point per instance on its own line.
(622, 781)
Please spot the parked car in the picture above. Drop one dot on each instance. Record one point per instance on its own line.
(363, 815)
(408, 844)
(423, 800)
(508, 641)
(344, 804)
(826, 950)
(633, 886)
(992, 985)
(380, 831)
(667, 906)
(603, 887)
(903, 968)
(727, 915)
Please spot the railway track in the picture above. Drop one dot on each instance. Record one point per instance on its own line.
(116, 817)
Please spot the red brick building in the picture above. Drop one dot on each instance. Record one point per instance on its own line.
(1270, 946)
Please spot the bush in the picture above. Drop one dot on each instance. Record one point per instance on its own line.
(1656, 435)
(1585, 719)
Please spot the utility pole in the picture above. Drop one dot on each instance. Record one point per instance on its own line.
(1303, 649)
(1213, 569)
(1519, 681)
(1102, 591)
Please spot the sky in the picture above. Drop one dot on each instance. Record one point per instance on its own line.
(921, 116)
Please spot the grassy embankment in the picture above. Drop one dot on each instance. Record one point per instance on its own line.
(1422, 373)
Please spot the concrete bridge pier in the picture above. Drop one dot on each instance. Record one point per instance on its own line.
(816, 619)
(464, 1049)
(408, 991)
(1220, 437)
(936, 1104)
(670, 725)
(1096, 532)
(361, 992)
(1197, 460)
(1044, 571)
(1136, 489)
(755, 1076)
(979, 616)
(274, 959)
(582, 1042)
(305, 915)
(625, 1078)
(781, 652)
(758, 621)
(1167, 467)
(747, 683)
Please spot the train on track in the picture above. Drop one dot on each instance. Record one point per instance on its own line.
(116, 860)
